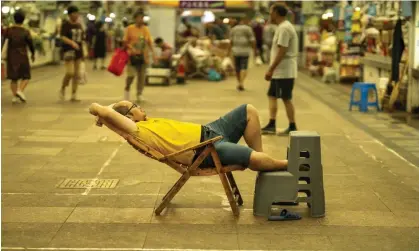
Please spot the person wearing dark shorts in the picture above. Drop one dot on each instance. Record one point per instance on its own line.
(18, 67)
(169, 136)
(232, 127)
(282, 70)
(242, 40)
(72, 35)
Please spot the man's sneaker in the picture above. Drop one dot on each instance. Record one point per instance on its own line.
(15, 100)
(269, 129)
(21, 96)
(286, 131)
(74, 98)
(61, 94)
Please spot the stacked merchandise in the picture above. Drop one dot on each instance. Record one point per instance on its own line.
(350, 50)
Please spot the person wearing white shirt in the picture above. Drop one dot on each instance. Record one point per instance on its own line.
(282, 70)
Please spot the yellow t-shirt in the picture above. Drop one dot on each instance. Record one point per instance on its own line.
(170, 136)
(138, 38)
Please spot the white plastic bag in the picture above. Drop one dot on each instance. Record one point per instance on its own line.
(227, 64)
(258, 61)
(82, 73)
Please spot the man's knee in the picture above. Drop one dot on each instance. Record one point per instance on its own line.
(251, 111)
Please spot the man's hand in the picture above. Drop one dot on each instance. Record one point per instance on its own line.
(93, 109)
(268, 75)
(75, 45)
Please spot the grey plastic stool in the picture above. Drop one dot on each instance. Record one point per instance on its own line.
(305, 174)
(273, 187)
(304, 162)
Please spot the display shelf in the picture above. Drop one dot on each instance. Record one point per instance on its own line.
(377, 61)
(312, 46)
(328, 52)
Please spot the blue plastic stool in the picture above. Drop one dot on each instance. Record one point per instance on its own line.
(363, 102)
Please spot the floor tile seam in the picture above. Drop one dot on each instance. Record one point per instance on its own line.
(62, 225)
(406, 155)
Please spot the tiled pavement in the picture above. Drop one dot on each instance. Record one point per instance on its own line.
(372, 194)
(394, 133)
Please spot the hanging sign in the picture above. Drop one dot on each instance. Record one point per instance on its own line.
(201, 4)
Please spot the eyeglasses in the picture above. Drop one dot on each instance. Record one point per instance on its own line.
(133, 106)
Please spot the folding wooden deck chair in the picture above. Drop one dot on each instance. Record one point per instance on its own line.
(225, 172)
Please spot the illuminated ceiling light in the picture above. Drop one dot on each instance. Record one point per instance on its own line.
(12, 10)
(112, 15)
(91, 17)
(325, 16)
(357, 9)
(208, 17)
(65, 12)
(146, 18)
(5, 9)
(226, 20)
(108, 20)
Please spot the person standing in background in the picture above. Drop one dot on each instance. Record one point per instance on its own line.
(283, 68)
(165, 59)
(99, 45)
(18, 67)
(223, 26)
(242, 41)
(138, 41)
(72, 35)
(119, 35)
(258, 30)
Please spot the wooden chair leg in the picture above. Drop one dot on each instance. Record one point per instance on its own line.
(172, 192)
(229, 194)
(226, 185)
(235, 188)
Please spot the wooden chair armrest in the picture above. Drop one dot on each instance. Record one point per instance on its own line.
(205, 143)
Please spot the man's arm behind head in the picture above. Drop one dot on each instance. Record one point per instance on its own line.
(109, 116)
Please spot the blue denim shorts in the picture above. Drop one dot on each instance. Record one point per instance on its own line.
(231, 126)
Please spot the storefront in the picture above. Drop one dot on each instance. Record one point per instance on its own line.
(413, 89)
(352, 41)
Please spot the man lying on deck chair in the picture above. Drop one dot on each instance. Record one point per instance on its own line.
(169, 136)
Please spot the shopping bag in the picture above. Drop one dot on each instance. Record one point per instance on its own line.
(118, 62)
(82, 73)
(213, 75)
(258, 60)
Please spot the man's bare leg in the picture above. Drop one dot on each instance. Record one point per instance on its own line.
(252, 134)
(263, 162)
(270, 128)
(289, 107)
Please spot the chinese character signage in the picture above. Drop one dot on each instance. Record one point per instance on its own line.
(201, 4)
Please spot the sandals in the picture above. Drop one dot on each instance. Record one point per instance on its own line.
(285, 216)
